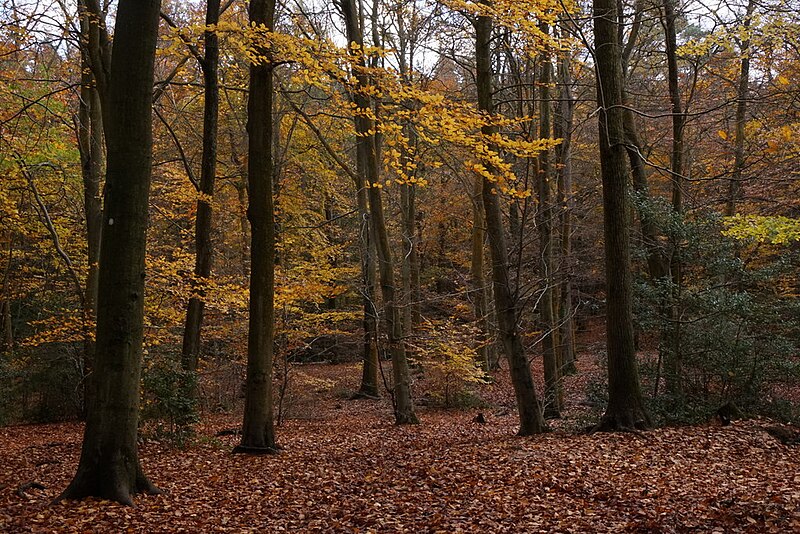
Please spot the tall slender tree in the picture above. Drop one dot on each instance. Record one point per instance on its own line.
(109, 465)
(546, 219)
(258, 428)
(368, 147)
(209, 65)
(528, 404)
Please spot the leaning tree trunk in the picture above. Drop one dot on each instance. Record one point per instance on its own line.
(258, 429)
(365, 128)
(625, 408)
(190, 353)
(109, 465)
(528, 405)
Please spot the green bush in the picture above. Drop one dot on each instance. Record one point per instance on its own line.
(169, 403)
(729, 319)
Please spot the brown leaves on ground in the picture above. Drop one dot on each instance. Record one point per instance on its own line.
(346, 468)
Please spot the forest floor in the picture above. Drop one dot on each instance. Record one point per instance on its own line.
(346, 468)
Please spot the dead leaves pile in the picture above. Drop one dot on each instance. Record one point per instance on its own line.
(348, 469)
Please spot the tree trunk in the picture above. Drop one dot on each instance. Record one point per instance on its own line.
(91, 149)
(528, 405)
(410, 266)
(553, 395)
(190, 353)
(403, 406)
(742, 95)
(109, 465)
(625, 406)
(371, 361)
(258, 430)
(674, 360)
(6, 325)
(562, 128)
(408, 191)
(480, 289)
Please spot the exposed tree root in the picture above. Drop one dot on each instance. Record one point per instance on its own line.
(246, 449)
(627, 422)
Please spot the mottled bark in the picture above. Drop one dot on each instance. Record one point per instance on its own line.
(91, 149)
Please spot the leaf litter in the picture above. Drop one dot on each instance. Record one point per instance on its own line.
(346, 468)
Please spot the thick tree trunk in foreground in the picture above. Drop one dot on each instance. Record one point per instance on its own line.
(109, 465)
(204, 253)
(403, 406)
(258, 429)
(528, 405)
(625, 406)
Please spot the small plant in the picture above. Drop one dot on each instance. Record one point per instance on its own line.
(450, 365)
(170, 402)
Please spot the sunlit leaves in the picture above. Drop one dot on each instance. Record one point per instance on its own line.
(776, 230)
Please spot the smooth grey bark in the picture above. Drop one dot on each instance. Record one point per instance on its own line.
(204, 252)
(625, 408)
(410, 268)
(258, 426)
(528, 404)
(109, 464)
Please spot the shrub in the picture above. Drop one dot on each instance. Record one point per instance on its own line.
(169, 401)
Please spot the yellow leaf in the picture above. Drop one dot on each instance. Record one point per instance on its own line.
(722, 134)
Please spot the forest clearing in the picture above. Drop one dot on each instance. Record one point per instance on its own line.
(345, 467)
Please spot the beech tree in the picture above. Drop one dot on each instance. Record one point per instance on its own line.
(367, 146)
(209, 64)
(109, 465)
(528, 404)
(625, 408)
(258, 429)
